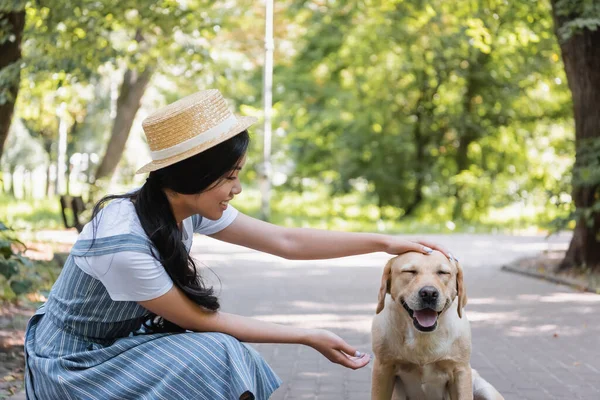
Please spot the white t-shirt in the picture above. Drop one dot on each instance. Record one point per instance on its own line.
(133, 276)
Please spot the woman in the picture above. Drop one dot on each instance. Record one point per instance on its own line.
(129, 316)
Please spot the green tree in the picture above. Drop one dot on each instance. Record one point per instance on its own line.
(577, 24)
(22, 151)
(12, 22)
(137, 38)
(430, 103)
(73, 43)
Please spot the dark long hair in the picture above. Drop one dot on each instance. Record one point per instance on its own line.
(193, 175)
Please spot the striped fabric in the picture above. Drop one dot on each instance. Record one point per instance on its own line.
(80, 345)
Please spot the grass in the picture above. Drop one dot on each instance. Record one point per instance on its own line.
(30, 215)
(352, 212)
(314, 209)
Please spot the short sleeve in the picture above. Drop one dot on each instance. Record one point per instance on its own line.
(206, 226)
(128, 275)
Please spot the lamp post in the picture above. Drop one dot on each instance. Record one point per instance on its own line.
(265, 185)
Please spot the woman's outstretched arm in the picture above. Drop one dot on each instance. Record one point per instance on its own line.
(314, 244)
(176, 307)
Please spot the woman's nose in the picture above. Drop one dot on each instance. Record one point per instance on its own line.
(236, 189)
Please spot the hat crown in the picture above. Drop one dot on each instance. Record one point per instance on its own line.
(190, 126)
(186, 119)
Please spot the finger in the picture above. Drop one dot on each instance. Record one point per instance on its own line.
(354, 362)
(420, 247)
(349, 350)
(437, 247)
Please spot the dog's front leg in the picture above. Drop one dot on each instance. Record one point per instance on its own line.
(382, 386)
(462, 388)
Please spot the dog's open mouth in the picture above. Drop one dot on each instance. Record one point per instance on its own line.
(425, 320)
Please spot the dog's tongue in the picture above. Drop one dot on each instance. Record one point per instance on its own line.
(426, 317)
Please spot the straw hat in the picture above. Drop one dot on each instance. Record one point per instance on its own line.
(189, 126)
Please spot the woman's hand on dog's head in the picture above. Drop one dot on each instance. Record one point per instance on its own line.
(397, 246)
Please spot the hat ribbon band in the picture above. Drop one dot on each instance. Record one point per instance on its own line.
(206, 136)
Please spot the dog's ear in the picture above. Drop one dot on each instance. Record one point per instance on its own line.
(385, 285)
(460, 290)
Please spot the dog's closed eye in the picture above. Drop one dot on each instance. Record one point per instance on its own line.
(443, 273)
(409, 271)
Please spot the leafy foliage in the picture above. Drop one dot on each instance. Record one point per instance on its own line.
(436, 110)
(429, 103)
(578, 15)
(586, 175)
(15, 269)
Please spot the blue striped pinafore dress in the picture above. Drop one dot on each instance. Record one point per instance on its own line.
(79, 345)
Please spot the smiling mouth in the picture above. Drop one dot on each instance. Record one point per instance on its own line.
(425, 320)
(225, 203)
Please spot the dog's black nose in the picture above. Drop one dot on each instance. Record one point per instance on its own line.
(429, 294)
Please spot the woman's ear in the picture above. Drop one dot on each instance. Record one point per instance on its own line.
(385, 285)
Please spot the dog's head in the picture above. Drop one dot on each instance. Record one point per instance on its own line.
(424, 285)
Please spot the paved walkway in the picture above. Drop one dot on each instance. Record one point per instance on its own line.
(531, 339)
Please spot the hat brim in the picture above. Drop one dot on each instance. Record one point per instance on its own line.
(242, 124)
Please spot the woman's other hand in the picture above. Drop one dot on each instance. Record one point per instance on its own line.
(336, 350)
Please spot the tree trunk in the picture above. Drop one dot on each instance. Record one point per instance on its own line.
(476, 83)
(420, 166)
(48, 180)
(582, 66)
(10, 55)
(11, 171)
(422, 136)
(133, 88)
(50, 187)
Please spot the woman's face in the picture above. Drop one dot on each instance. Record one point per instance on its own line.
(212, 202)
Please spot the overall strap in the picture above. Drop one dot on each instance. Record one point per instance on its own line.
(196, 221)
(112, 244)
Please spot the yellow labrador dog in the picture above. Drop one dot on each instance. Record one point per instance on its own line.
(421, 337)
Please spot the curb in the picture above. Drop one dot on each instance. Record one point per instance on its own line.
(575, 284)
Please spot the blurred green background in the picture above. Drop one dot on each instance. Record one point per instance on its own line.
(389, 116)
